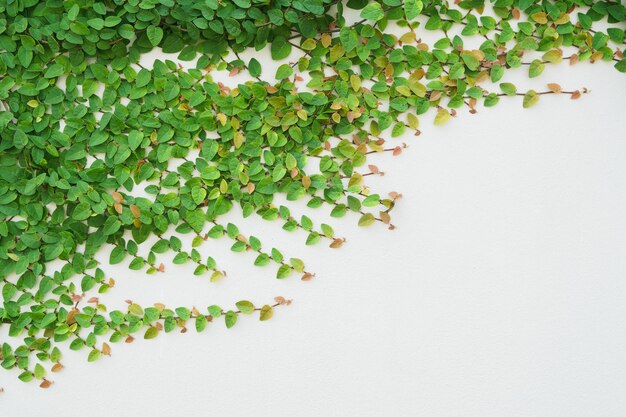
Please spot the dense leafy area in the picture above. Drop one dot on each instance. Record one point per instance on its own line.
(98, 151)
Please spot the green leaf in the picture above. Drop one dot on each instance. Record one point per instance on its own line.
(297, 264)
(215, 311)
(284, 71)
(196, 219)
(412, 8)
(134, 139)
(230, 318)
(442, 117)
(530, 99)
(266, 313)
(246, 307)
(151, 333)
(373, 11)
(81, 212)
(111, 225)
(201, 323)
(155, 34)
(254, 67)
(54, 71)
(508, 89)
(367, 219)
(280, 49)
(94, 355)
(283, 272)
(39, 372)
(26, 376)
(536, 68)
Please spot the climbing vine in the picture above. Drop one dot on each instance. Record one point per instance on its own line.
(102, 153)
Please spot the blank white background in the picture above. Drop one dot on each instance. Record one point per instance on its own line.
(501, 292)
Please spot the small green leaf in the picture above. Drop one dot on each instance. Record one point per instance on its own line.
(151, 333)
(155, 34)
(135, 309)
(284, 71)
(254, 67)
(246, 307)
(40, 372)
(297, 264)
(215, 311)
(266, 313)
(134, 139)
(280, 49)
(508, 89)
(283, 272)
(442, 117)
(201, 322)
(230, 318)
(412, 8)
(373, 11)
(530, 99)
(536, 68)
(94, 355)
(367, 219)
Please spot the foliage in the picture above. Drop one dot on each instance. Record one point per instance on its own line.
(86, 130)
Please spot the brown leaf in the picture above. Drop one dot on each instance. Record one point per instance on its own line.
(56, 367)
(106, 349)
(337, 243)
(307, 276)
(575, 95)
(45, 383)
(93, 300)
(135, 210)
(385, 217)
(554, 87)
(118, 208)
(159, 306)
(70, 316)
(161, 267)
(373, 169)
(574, 59)
(397, 151)
(111, 283)
(117, 197)
(280, 300)
(129, 339)
(158, 326)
